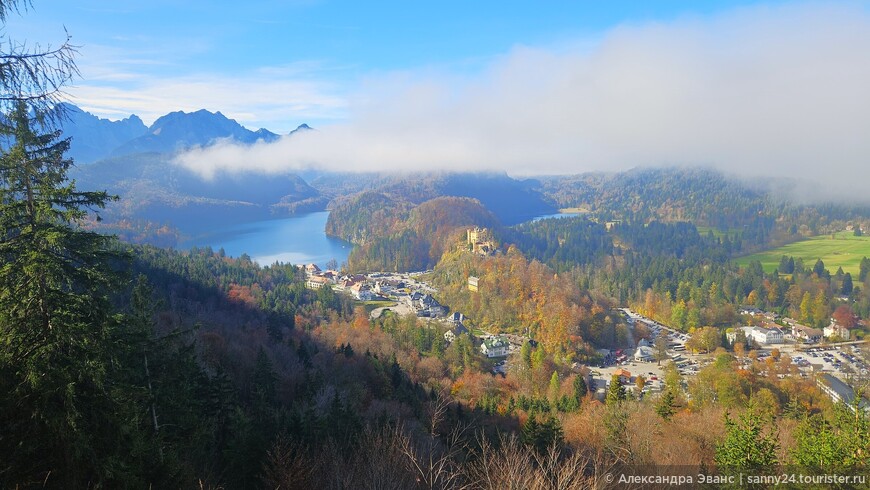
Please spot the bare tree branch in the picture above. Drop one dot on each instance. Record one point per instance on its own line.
(36, 75)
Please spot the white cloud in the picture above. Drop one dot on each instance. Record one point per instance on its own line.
(278, 98)
(252, 101)
(759, 91)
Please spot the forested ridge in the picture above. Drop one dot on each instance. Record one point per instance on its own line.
(394, 235)
(678, 194)
(763, 211)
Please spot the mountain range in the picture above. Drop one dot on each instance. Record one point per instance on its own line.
(94, 138)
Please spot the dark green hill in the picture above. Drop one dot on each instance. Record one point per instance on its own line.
(395, 235)
(705, 197)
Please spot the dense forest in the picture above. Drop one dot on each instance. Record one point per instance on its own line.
(396, 236)
(761, 209)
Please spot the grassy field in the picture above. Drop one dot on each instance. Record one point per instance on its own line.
(843, 250)
(371, 305)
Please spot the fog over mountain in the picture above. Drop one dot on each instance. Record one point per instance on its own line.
(94, 138)
(179, 130)
(759, 91)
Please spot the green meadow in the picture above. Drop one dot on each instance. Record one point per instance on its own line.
(372, 305)
(843, 249)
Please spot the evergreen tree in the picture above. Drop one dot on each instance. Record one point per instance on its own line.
(526, 356)
(666, 405)
(863, 269)
(616, 430)
(615, 392)
(540, 436)
(63, 413)
(841, 443)
(553, 390)
(819, 268)
(166, 380)
(538, 358)
(580, 388)
(530, 430)
(783, 265)
(746, 448)
(847, 286)
(264, 383)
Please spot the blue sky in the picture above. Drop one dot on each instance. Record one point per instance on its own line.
(752, 88)
(306, 55)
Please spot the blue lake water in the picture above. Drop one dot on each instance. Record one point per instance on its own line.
(296, 240)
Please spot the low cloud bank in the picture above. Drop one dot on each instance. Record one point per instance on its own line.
(761, 91)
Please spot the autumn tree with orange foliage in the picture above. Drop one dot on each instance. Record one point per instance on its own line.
(521, 296)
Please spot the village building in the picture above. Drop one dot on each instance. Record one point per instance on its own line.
(346, 282)
(361, 291)
(624, 375)
(424, 305)
(317, 282)
(767, 336)
(644, 353)
(455, 332)
(750, 310)
(807, 334)
(760, 335)
(495, 346)
(841, 392)
(312, 269)
(835, 330)
(473, 283)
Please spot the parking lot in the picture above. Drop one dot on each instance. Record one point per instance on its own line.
(688, 364)
(836, 360)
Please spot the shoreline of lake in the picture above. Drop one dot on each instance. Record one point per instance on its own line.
(296, 240)
(299, 240)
